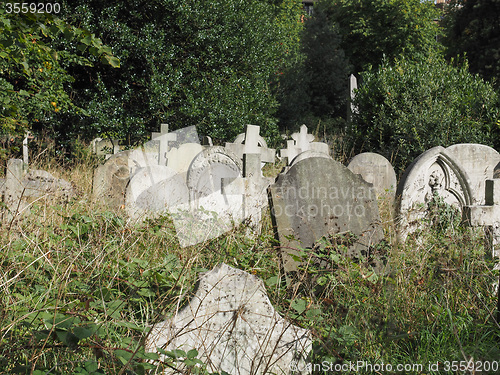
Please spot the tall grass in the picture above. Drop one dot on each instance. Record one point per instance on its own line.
(79, 287)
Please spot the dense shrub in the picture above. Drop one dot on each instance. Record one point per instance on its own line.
(407, 107)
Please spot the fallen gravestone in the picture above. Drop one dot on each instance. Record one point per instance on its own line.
(318, 197)
(233, 326)
(377, 170)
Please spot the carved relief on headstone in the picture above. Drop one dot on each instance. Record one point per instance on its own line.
(433, 172)
(209, 167)
(233, 326)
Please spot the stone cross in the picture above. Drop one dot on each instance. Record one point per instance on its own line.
(252, 185)
(164, 137)
(488, 215)
(254, 145)
(301, 142)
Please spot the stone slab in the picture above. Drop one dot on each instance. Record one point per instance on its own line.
(233, 326)
(318, 197)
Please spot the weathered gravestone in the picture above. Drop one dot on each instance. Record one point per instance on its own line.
(302, 142)
(456, 174)
(479, 162)
(22, 186)
(13, 188)
(233, 326)
(433, 173)
(377, 170)
(153, 190)
(209, 212)
(111, 179)
(318, 197)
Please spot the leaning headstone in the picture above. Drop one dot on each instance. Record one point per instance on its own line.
(233, 326)
(179, 158)
(209, 167)
(111, 179)
(210, 212)
(154, 190)
(318, 197)
(38, 183)
(377, 170)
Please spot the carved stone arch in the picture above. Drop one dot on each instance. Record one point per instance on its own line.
(422, 179)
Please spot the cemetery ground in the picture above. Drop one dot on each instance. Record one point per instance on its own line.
(80, 287)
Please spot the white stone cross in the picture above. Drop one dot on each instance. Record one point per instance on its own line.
(301, 142)
(164, 137)
(252, 186)
(487, 216)
(254, 144)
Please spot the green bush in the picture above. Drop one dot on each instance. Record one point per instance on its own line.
(203, 63)
(407, 107)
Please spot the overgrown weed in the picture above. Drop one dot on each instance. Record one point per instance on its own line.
(81, 285)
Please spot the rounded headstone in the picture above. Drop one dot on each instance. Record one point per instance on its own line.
(209, 167)
(376, 170)
(479, 162)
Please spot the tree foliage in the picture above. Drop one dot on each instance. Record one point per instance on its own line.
(473, 28)
(205, 63)
(372, 29)
(315, 87)
(33, 74)
(408, 107)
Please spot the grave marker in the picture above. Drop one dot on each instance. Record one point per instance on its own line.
(377, 170)
(318, 197)
(233, 326)
(164, 138)
(302, 142)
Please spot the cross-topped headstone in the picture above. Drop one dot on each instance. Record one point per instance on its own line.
(164, 137)
(252, 186)
(302, 142)
(487, 216)
(251, 142)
